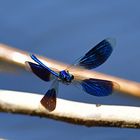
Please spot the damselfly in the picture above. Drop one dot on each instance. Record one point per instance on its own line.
(92, 59)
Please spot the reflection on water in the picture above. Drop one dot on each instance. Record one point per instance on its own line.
(64, 31)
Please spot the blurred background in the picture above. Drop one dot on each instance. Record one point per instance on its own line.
(65, 30)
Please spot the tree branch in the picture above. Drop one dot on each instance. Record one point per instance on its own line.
(70, 111)
(17, 58)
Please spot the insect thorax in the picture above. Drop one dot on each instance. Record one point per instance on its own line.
(65, 77)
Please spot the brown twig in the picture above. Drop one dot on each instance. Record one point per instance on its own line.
(17, 57)
(69, 111)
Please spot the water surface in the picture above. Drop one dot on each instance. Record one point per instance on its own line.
(64, 30)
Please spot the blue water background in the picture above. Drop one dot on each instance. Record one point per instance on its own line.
(65, 30)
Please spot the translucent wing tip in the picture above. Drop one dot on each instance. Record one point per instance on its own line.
(49, 100)
(116, 86)
(111, 41)
(27, 66)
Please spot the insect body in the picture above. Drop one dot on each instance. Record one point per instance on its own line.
(92, 59)
(65, 77)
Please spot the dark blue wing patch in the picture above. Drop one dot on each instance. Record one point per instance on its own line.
(98, 54)
(97, 87)
(38, 70)
(43, 65)
(49, 100)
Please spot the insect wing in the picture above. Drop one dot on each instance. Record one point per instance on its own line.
(97, 87)
(43, 65)
(49, 99)
(98, 54)
(38, 70)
